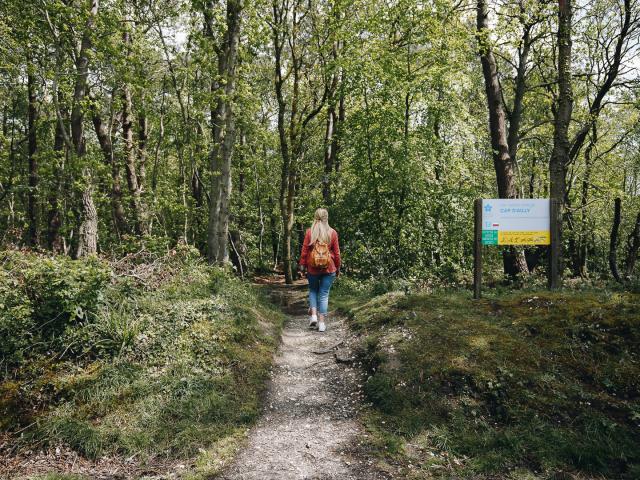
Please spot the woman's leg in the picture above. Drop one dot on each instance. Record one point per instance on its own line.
(314, 286)
(323, 295)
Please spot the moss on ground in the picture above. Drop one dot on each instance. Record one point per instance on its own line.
(172, 370)
(526, 385)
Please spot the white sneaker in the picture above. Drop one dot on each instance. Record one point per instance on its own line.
(313, 321)
(321, 327)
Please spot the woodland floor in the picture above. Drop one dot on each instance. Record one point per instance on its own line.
(309, 428)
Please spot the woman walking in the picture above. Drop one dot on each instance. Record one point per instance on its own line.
(320, 258)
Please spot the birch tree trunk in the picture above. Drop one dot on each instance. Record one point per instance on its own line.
(223, 138)
(560, 153)
(88, 231)
(33, 233)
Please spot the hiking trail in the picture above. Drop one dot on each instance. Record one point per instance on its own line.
(309, 428)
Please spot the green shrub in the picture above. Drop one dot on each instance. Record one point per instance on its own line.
(62, 290)
(16, 322)
(41, 296)
(167, 355)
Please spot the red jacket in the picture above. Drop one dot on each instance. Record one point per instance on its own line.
(334, 249)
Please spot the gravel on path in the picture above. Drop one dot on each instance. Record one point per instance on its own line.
(309, 428)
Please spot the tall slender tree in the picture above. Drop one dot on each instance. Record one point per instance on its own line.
(561, 147)
(223, 130)
(295, 63)
(503, 153)
(33, 234)
(88, 230)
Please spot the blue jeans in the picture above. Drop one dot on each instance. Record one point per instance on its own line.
(319, 286)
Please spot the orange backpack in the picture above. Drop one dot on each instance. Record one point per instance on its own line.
(320, 256)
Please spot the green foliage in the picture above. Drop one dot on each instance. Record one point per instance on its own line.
(531, 381)
(168, 366)
(40, 297)
(410, 143)
(16, 322)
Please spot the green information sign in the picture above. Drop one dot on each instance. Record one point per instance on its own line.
(489, 237)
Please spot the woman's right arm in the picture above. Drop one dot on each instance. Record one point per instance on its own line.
(304, 255)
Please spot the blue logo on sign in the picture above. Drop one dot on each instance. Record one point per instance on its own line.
(487, 207)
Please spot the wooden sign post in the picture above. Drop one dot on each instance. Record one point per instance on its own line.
(520, 221)
(477, 249)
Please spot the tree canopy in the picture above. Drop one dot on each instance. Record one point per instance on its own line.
(224, 124)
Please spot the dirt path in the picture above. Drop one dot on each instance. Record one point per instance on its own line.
(309, 429)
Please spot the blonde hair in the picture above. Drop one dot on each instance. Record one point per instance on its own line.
(320, 229)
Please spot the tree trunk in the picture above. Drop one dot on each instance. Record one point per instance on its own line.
(142, 172)
(337, 140)
(33, 233)
(580, 256)
(287, 209)
(329, 145)
(273, 229)
(223, 136)
(438, 172)
(88, 237)
(258, 191)
(613, 241)
(238, 252)
(217, 118)
(133, 181)
(106, 145)
(513, 259)
(560, 153)
(143, 136)
(633, 244)
(54, 220)
(88, 234)
(222, 231)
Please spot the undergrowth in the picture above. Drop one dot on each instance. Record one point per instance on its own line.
(529, 384)
(149, 356)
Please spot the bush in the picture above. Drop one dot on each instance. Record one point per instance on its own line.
(16, 322)
(148, 355)
(41, 296)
